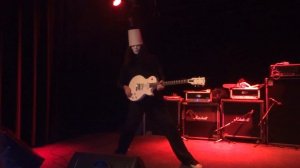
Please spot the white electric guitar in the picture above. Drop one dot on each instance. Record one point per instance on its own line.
(141, 86)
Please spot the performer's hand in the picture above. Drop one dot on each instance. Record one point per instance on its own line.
(127, 91)
(160, 85)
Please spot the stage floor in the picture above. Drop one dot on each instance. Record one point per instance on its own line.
(155, 152)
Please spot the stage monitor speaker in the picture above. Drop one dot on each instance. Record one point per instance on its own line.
(93, 160)
(283, 119)
(16, 154)
(244, 124)
(200, 120)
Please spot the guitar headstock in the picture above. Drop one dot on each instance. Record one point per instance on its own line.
(197, 81)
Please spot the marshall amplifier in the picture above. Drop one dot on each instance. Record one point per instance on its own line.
(245, 93)
(200, 120)
(244, 116)
(198, 96)
(285, 70)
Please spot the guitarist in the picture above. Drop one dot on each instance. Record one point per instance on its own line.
(138, 61)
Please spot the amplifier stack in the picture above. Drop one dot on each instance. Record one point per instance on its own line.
(234, 117)
(282, 102)
(198, 117)
(268, 116)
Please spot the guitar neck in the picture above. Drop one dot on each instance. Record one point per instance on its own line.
(174, 82)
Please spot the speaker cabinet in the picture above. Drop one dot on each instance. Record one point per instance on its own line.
(14, 153)
(173, 106)
(200, 120)
(85, 160)
(240, 118)
(283, 124)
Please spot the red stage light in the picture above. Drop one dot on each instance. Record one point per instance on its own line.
(117, 2)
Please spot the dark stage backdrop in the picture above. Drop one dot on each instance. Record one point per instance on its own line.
(71, 52)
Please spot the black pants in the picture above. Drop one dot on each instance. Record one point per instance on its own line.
(156, 111)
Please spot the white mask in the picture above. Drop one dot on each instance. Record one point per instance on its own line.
(136, 49)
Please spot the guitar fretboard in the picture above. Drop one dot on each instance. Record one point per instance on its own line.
(174, 82)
